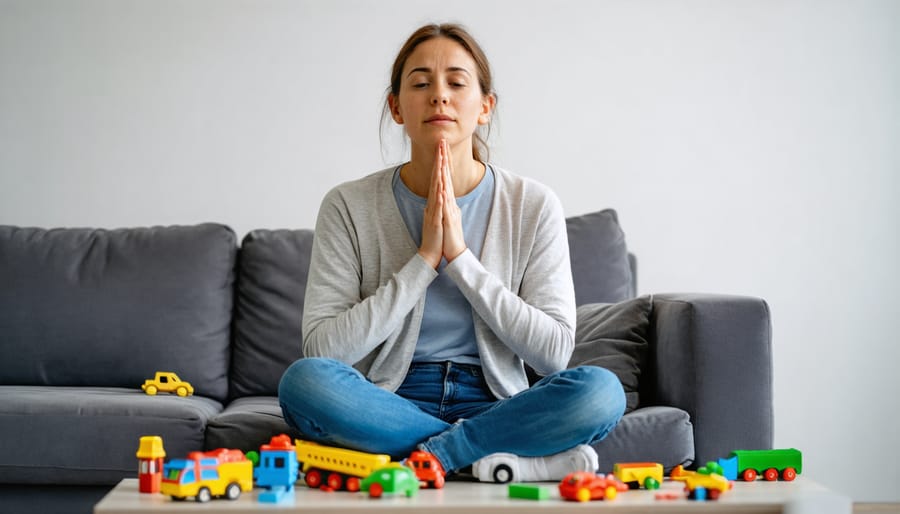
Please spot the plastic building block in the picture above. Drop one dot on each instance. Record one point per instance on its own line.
(427, 468)
(394, 478)
(275, 494)
(205, 475)
(747, 465)
(150, 463)
(648, 475)
(277, 469)
(167, 382)
(528, 492)
(336, 468)
(585, 486)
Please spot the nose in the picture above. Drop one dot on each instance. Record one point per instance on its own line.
(440, 97)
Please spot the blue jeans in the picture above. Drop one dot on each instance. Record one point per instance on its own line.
(448, 410)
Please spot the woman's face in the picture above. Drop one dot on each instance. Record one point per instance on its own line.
(440, 96)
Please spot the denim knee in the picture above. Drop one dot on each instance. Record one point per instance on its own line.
(303, 374)
(601, 398)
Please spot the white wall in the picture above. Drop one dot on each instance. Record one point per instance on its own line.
(750, 147)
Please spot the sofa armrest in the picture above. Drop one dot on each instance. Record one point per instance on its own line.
(712, 356)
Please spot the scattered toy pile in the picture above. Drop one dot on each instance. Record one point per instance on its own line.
(225, 473)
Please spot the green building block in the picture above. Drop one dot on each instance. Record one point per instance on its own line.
(528, 492)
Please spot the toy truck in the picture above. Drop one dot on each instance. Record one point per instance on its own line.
(167, 382)
(638, 474)
(336, 468)
(277, 470)
(205, 475)
(770, 464)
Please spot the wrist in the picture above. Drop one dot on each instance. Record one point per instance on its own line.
(433, 260)
(450, 256)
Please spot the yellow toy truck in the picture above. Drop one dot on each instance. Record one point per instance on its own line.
(648, 475)
(205, 475)
(167, 382)
(336, 468)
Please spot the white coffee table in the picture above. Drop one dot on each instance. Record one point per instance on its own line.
(474, 498)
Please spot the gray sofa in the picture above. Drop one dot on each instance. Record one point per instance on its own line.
(86, 315)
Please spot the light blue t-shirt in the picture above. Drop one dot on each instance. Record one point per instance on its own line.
(448, 331)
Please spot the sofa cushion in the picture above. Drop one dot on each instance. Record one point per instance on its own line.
(271, 284)
(82, 307)
(600, 261)
(247, 423)
(614, 336)
(79, 435)
(649, 434)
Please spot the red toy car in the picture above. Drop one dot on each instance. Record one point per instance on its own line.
(584, 486)
(427, 469)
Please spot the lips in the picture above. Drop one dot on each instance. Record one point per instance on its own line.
(439, 117)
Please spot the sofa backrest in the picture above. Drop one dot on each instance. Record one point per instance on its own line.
(270, 289)
(109, 308)
(271, 283)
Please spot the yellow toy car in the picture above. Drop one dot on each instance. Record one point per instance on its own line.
(706, 482)
(167, 382)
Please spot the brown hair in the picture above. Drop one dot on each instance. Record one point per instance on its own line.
(460, 35)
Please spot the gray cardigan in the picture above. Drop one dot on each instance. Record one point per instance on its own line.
(365, 293)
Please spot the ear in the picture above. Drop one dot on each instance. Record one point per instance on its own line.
(487, 108)
(395, 108)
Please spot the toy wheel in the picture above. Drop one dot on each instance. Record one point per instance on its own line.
(714, 494)
(152, 390)
(203, 495)
(610, 493)
(376, 490)
(233, 491)
(353, 484)
(771, 474)
(699, 494)
(503, 474)
(583, 495)
(789, 474)
(749, 475)
(314, 478)
(181, 391)
(651, 483)
(335, 481)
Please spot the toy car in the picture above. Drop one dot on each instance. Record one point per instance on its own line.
(584, 486)
(394, 478)
(167, 382)
(427, 469)
(503, 467)
(706, 481)
(648, 475)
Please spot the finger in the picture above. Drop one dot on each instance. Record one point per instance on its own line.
(448, 169)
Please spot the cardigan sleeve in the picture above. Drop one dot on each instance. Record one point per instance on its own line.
(337, 322)
(536, 321)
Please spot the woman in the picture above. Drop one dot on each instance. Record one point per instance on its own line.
(432, 284)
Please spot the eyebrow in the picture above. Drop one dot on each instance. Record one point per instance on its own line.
(428, 70)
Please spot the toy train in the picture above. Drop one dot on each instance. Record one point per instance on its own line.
(747, 465)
